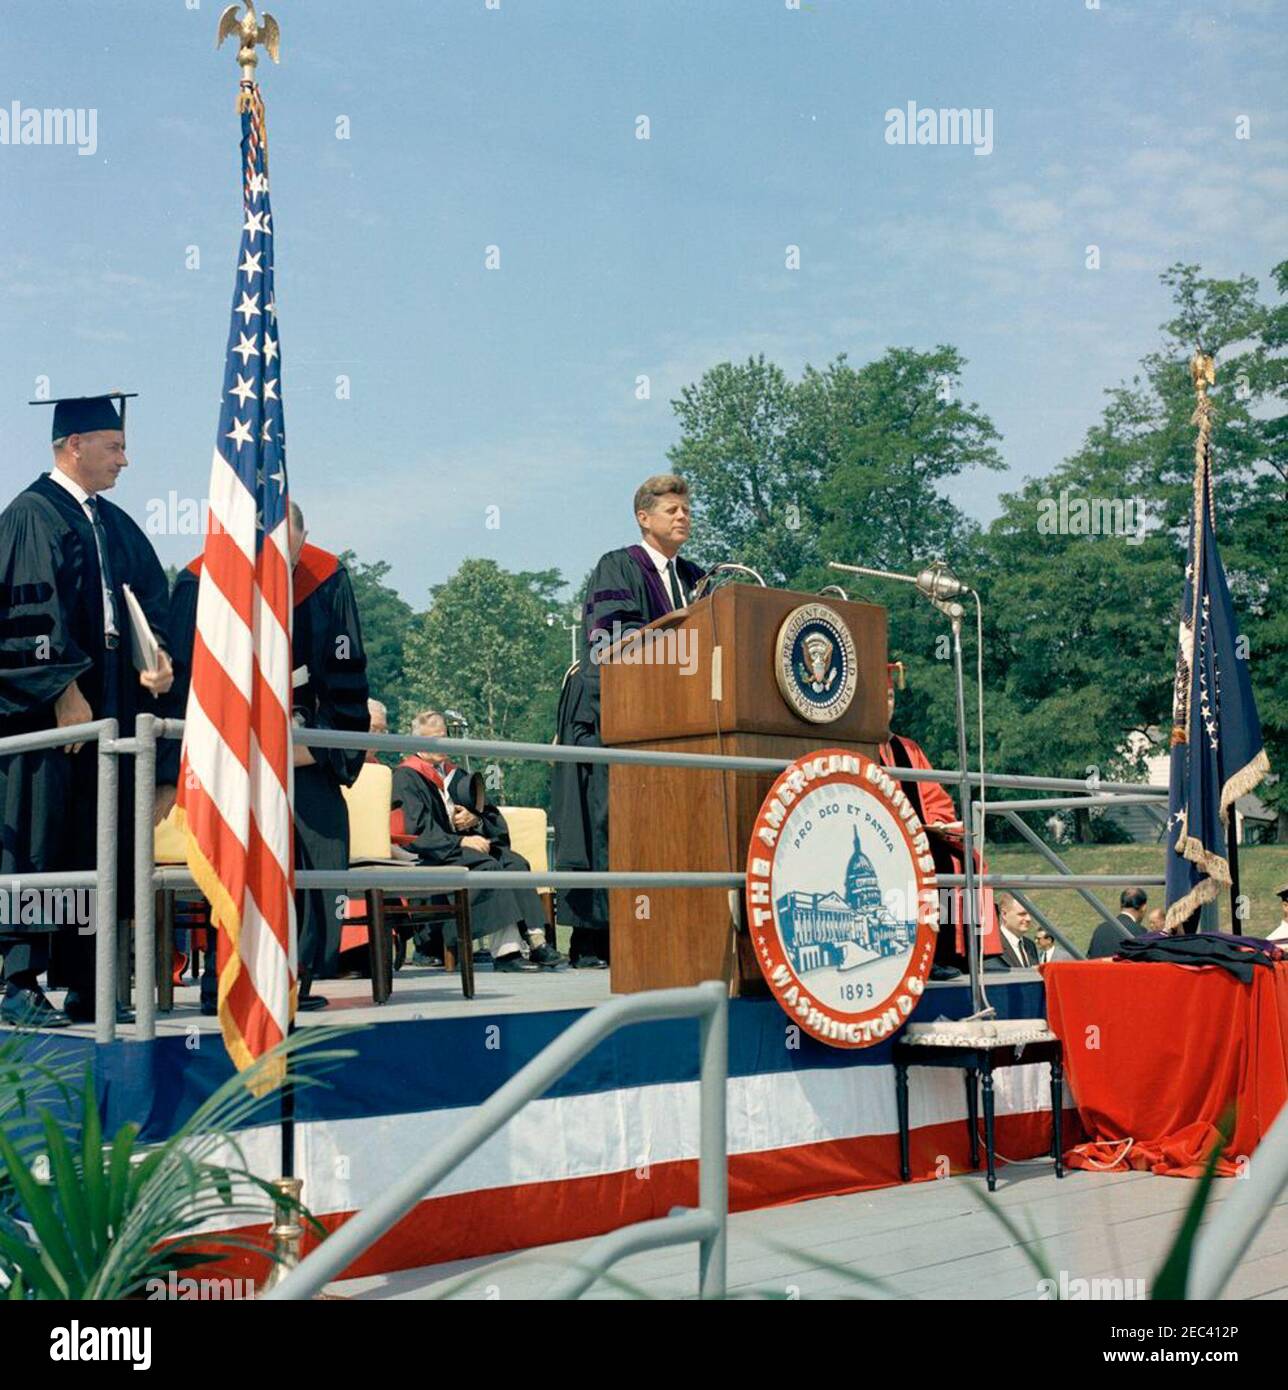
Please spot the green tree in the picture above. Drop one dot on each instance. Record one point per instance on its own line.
(485, 648)
(387, 619)
(850, 463)
(754, 493)
(887, 438)
(1083, 628)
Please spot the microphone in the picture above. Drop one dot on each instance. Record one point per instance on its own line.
(456, 717)
(937, 582)
(725, 566)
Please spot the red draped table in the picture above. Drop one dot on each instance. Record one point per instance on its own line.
(1157, 1054)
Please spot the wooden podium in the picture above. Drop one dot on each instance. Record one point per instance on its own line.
(705, 683)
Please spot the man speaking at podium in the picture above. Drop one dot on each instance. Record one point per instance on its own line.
(627, 589)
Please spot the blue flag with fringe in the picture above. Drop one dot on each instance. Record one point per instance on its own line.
(1217, 754)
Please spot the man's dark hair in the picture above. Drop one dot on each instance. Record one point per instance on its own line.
(1135, 898)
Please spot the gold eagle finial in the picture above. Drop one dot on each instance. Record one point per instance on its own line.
(1202, 371)
(249, 32)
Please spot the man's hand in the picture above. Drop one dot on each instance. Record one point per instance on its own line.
(475, 842)
(463, 819)
(303, 756)
(158, 682)
(164, 803)
(72, 707)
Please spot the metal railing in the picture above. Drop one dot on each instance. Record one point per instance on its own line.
(148, 877)
(706, 1224)
(102, 733)
(1219, 1247)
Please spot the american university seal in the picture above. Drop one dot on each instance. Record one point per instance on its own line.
(815, 664)
(842, 900)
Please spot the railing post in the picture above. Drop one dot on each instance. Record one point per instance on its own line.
(145, 901)
(1055, 861)
(713, 1156)
(107, 811)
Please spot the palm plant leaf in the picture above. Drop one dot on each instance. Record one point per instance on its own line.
(109, 1219)
(1172, 1279)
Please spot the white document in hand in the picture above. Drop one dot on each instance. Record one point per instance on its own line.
(142, 639)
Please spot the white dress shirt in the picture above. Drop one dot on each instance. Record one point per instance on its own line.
(56, 475)
(661, 562)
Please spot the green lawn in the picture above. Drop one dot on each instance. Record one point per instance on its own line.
(1260, 870)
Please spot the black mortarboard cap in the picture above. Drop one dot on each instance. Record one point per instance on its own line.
(85, 414)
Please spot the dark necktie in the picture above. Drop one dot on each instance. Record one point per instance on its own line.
(111, 629)
(673, 580)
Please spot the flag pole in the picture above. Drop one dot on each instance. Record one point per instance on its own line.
(1203, 375)
(287, 1233)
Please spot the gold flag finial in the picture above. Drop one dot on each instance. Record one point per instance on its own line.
(1203, 375)
(249, 32)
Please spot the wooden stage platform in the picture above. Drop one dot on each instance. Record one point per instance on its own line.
(925, 1241)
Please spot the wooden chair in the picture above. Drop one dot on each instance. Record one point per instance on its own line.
(170, 849)
(369, 802)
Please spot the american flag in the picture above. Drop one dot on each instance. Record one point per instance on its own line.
(236, 782)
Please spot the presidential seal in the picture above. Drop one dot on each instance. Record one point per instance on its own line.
(842, 900)
(815, 663)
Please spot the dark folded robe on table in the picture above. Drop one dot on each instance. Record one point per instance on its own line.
(625, 592)
(51, 633)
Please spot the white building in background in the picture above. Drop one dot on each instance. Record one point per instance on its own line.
(1145, 824)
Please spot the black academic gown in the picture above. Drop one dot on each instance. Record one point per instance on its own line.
(51, 633)
(437, 842)
(181, 624)
(326, 643)
(624, 593)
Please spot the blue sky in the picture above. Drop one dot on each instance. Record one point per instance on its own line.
(516, 127)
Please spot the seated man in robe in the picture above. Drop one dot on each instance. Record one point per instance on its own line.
(943, 825)
(447, 833)
(379, 715)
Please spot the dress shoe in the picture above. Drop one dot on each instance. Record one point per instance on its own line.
(432, 961)
(589, 963)
(28, 1008)
(945, 972)
(546, 957)
(310, 1003)
(513, 964)
(81, 1010)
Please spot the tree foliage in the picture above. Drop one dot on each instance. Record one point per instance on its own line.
(485, 649)
(863, 463)
(386, 621)
(856, 463)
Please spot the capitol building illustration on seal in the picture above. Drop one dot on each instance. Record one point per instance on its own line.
(846, 930)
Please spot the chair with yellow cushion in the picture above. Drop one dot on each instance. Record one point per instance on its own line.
(529, 837)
